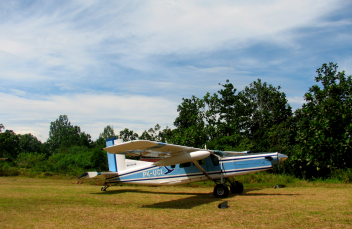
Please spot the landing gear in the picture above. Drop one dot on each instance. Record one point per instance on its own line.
(221, 191)
(236, 187)
(103, 188)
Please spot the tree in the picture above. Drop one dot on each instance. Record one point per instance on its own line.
(224, 117)
(190, 123)
(211, 115)
(107, 133)
(99, 159)
(1, 128)
(324, 124)
(12, 144)
(191, 113)
(267, 105)
(263, 107)
(228, 110)
(128, 135)
(29, 144)
(156, 134)
(62, 133)
(152, 134)
(9, 145)
(165, 135)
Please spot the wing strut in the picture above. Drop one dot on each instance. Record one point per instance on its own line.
(201, 169)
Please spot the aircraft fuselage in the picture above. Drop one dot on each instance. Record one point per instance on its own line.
(216, 167)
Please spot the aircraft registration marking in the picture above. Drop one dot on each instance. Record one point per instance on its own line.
(154, 173)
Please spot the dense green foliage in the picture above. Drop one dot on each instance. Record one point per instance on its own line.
(316, 137)
(324, 125)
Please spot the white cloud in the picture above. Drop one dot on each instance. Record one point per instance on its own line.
(193, 26)
(74, 35)
(345, 65)
(92, 112)
(17, 92)
(295, 101)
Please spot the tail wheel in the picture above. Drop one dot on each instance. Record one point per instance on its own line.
(221, 191)
(103, 188)
(236, 187)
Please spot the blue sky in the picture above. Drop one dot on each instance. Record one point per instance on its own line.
(130, 63)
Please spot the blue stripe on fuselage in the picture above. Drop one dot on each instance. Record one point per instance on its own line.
(158, 173)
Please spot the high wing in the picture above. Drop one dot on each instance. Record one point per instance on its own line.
(149, 149)
(236, 153)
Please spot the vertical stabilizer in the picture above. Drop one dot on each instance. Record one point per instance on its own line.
(116, 161)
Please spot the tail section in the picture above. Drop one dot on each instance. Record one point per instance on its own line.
(116, 161)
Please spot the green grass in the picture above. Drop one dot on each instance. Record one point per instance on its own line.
(52, 203)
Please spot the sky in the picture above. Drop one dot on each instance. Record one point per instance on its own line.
(130, 63)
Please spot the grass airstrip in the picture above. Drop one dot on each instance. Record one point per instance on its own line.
(52, 203)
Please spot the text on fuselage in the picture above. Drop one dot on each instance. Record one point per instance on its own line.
(155, 172)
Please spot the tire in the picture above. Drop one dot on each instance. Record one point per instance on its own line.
(221, 191)
(237, 187)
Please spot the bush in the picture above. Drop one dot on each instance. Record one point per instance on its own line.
(343, 175)
(73, 160)
(29, 160)
(6, 169)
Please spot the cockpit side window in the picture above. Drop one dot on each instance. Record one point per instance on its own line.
(214, 159)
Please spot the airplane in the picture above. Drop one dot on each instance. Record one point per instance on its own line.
(177, 164)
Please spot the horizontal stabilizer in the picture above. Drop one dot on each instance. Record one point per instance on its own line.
(89, 175)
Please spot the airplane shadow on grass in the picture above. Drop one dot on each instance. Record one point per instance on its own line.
(190, 202)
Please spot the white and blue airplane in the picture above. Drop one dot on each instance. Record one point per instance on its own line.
(180, 164)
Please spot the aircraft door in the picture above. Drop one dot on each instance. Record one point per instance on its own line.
(212, 163)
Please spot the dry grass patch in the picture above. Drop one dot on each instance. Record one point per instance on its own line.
(45, 203)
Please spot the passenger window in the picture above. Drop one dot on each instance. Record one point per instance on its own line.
(201, 162)
(214, 159)
(187, 164)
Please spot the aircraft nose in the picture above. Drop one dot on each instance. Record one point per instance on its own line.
(281, 157)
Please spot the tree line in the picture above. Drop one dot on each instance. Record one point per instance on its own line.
(316, 137)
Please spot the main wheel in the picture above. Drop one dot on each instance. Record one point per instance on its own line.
(221, 191)
(103, 189)
(236, 187)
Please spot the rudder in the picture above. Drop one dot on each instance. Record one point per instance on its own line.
(116, 161)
